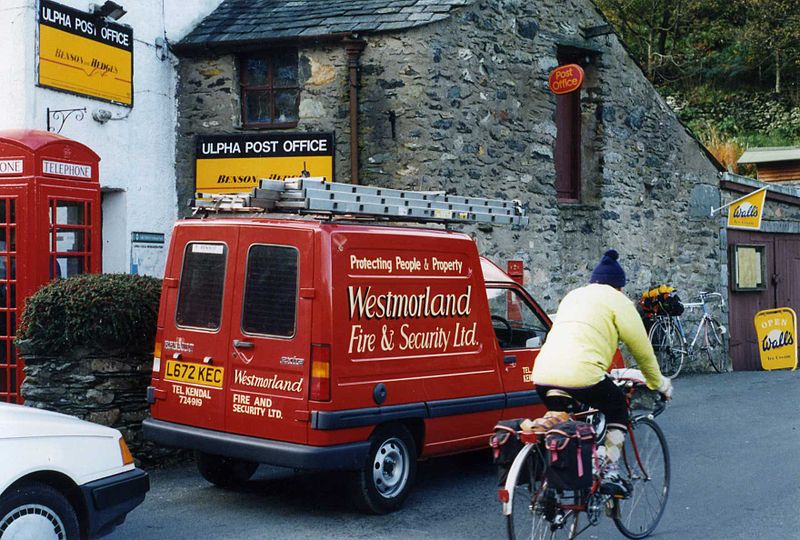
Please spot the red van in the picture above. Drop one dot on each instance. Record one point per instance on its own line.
(322, 345)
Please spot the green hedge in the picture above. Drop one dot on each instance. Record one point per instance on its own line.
(100, 312)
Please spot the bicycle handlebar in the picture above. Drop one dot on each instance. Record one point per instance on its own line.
(704, 295)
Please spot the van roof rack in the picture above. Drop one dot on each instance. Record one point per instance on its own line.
(319, 197)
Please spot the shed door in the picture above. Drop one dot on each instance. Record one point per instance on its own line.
(781, 288)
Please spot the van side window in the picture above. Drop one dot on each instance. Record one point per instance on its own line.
(202, 285)
(515, 323)
(270, 294)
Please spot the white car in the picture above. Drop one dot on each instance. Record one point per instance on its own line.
(61, 477)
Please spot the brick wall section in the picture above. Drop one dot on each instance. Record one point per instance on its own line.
(473, 116)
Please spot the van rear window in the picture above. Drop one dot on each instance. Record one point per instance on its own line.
(270, 294)
(202, 285)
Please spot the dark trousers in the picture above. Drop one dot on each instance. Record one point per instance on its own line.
(605, 396)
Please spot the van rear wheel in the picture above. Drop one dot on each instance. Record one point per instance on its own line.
(385, 479)
(223, 471)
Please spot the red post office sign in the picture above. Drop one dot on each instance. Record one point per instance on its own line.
(565, 79)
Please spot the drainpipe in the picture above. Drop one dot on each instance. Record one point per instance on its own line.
(353, 47)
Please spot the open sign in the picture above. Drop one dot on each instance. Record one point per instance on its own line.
(565, 79)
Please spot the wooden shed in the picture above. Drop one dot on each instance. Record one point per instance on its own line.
(774, 164)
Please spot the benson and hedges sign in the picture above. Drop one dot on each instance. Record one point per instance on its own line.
(85, 54)
(235, 163)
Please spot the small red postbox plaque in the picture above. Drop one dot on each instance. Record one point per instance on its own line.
(565, 79)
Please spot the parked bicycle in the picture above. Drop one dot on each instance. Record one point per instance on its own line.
(672, 347)
(535, 510)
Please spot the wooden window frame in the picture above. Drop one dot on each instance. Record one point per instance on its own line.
(761, 249)
(270, 88)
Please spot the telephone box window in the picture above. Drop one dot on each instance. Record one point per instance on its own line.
(270, 295)
(8, 299)
(70, 236)
(202, 285)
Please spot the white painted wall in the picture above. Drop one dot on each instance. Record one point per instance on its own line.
(136, 147)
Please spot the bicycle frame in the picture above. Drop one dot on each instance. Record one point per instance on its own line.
(689, 348)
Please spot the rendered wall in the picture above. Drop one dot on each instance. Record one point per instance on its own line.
(136, 147)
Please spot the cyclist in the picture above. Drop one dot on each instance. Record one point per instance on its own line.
(578, 352)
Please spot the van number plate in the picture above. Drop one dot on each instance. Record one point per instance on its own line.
(194, 373)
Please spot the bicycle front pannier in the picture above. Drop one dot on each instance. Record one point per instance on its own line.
(672, 305)
(571, 449)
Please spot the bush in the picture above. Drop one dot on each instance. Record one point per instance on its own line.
(100, 312)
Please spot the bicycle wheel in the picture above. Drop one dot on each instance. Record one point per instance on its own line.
(714, 346)
(648, 469)
(667, 343)
(535, 512)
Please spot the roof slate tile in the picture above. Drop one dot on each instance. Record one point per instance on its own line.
(256, 20)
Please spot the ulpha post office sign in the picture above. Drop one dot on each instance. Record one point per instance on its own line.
(235, 163)
(85, 54)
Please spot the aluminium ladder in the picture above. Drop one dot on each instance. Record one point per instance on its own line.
(317, 196)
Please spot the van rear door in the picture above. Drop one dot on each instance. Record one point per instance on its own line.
(270, 333)
(195, 306)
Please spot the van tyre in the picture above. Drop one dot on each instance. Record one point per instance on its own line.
(37, 510)
(223, 471)
(385, 479)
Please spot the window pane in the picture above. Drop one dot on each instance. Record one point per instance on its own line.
(257, 107)
(255, 73)
(69, 213)
(515, 322)
(285, 66)
(286, 106)
(67, 266)
(69, 240)
(201, 287)
(270, 300)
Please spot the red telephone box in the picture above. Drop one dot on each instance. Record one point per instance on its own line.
(49, 227)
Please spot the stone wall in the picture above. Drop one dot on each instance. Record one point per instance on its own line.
(463, 105)
(105, 389)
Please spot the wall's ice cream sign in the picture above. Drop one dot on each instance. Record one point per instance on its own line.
(777, 338)
(745, 213)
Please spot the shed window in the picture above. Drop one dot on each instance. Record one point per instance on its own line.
(749, 267)
(202, 285)
(270, 294)
(270, 89)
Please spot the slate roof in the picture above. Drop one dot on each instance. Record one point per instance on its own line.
(768, 154)
(242, 21)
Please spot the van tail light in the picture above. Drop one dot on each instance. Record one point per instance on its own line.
(157, 354)
(320, 372)
(503, 495)
(127, 457)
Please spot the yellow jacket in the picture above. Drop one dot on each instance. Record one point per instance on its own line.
(590, 322)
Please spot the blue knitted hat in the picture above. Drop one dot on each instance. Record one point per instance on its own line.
(608, 271)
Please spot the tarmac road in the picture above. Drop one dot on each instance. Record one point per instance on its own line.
(734, 442)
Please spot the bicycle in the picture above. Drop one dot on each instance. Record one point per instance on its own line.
(671, 346)
(536, 511)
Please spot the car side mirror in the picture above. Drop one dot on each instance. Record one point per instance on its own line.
(534, 343)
